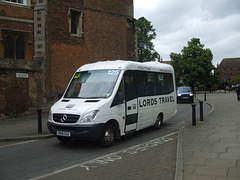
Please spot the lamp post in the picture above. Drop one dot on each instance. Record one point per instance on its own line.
(205, 93)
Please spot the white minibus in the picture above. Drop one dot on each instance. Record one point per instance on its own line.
(109, 99)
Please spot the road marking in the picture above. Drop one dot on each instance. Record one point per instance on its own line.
(88, 165)
(15, 144)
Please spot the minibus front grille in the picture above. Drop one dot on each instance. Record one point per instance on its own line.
(66, 118)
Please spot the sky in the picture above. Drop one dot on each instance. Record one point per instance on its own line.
(215, 22)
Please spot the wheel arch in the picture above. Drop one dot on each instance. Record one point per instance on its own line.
(161, 116)
(116, 127)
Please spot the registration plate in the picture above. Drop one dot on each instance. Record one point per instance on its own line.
(63, 133)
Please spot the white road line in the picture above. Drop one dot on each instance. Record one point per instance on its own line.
(88, 165)
(15, 144)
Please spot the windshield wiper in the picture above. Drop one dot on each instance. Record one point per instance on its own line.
(93, 97)
(96, 97)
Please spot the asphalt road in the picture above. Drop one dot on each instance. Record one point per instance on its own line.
(41, 158)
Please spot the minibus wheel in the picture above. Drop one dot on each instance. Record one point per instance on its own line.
(158, 122)
(108, 136)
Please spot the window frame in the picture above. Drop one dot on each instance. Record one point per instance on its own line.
(79, 24)
(12, 40)
(24, 2)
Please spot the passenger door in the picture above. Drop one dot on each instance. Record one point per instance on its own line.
(131, 104)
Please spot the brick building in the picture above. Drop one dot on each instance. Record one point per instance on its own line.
(230, 68)
(42, 43)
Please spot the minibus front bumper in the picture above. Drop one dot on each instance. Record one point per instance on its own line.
(79, 131)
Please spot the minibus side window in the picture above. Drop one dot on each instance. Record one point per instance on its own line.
(160, 84)
(151, 84)
(164, 83)
(142, 84)
(130, 87)
(146, 84)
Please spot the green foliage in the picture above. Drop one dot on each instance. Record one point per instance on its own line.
(194, 64)
(178, 67)
(235, 80)
(145, 34)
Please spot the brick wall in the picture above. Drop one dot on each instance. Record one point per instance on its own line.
(52, 54)
(19, 95)
(17, 19)
(107, 35)
(108, 39)
(116, 7)
(65, 60)
(14, 93)
(65, 53)
(230, 68)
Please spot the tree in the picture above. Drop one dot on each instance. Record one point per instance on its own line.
(145, 34)
(178, 68)
(215, 78)
(235, 80)
(194, 64)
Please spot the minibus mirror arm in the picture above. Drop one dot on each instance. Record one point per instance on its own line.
(60, 95)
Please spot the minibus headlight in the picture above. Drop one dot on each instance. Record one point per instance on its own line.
(179, 95)
(50, 116)
(190, 94)
(89, 117)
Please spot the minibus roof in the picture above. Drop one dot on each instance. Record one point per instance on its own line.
(127, 65)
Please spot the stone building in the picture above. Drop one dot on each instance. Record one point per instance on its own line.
(230, 68)
(42, 43)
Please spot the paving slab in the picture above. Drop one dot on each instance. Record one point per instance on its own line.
(220, 162)
(211, 171)
(234, 173)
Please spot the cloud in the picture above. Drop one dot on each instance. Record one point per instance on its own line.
(176, 22)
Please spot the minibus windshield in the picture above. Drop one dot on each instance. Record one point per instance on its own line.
(92, 84)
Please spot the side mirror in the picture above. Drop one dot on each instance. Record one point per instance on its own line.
(119, 98)
(60, 95)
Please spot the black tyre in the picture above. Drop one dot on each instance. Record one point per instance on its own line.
(158, 122)
(108, 136)
(63, 139)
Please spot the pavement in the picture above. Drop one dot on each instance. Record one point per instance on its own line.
(23, 128)
(211, 150)
(208, 151)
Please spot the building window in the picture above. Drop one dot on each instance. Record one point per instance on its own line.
(14, 46)
(20, 48)
(76, 22)
(9, 47)
(23, 2)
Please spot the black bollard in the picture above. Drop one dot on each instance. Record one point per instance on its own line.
(193, 114)
(39, 121)
(201, 110)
